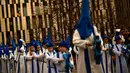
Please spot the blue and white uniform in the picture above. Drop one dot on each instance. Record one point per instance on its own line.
(3, 63)
(44, 60)
(52, 60)
(11, 62)
(20, 57)
(40, 57)
(81, 68)
(83, 37)
(31, 62)
(121, 65)
(61, 65)
(107, 58)
(21, 62)
(65, 65)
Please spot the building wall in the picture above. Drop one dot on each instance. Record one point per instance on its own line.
(18, 17)
(103, 15)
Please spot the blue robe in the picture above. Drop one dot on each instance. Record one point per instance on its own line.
(82, 44)
(31, 63)
(121, 65)
(12, 63)
(4, 64)
(62, 66)
(107, 59)
(20, 66)
(52, 60)
(44, 66)
(40, 58)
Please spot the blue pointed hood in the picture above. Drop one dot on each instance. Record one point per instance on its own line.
(13, 45)
(33, 42)
(49, 35)
(3, 46)
(49, 44)
(117, 38)
(84, 26)
(103, 37)
(37, 43)
(0, 49)
(68, 39)
(20, 42)
(44, 41)
(118, 32)
(6, 50)
(27, 45)
(63, 43)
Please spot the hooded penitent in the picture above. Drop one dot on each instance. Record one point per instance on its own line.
(85, 29)
(118, 32)
(84, 26)
(21, 45)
